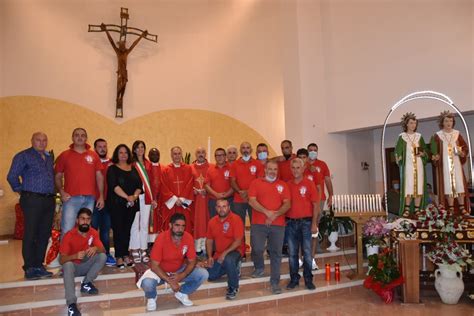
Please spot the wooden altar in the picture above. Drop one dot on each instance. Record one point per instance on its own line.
(409, 256)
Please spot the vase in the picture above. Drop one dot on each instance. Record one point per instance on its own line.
(449, 284)
(332, 239)
(372, 250)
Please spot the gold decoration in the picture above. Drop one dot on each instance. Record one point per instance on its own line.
(459, 235)
(424, 235)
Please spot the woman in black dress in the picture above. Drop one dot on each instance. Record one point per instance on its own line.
(125, 187)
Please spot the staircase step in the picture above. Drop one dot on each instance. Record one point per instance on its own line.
(123, 292)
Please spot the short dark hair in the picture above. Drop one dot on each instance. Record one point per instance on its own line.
(98, 140)
(219, 149)
(262, 144)
(176, 217)
(115, 158)
(79, 128)
(135, 146)
(84, 210)
(302, 151)
(313, 144)
(286, 141)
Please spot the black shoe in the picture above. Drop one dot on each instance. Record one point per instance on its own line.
(292, 285)
(310, 286)
(32, 274)
(43, 273)
(231, 293)
(89, 288)
(72, 310)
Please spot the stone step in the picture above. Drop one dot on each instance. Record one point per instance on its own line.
(115, 291)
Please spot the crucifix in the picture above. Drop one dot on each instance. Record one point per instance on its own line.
(178, 182)
(122, 51)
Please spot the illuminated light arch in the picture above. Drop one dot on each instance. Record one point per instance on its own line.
(433, 95)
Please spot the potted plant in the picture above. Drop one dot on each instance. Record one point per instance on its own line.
(384, 275)
(329, 225)
(374, 232)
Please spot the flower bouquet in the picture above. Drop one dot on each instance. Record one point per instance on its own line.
(374, 231)
(384, 275)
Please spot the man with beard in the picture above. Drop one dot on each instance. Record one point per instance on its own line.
(101, 217)
(200, 214)
(262, 153)
(81, 254)
(173, 260)
(224, 234)
(270, 200)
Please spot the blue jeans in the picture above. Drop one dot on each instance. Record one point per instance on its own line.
(71, 208)
(299, 236)
(101, 222)
(191, 282)
(229, 266)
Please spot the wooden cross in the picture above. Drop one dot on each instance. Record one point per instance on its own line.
(122, 51)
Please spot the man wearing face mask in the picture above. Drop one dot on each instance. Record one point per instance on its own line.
(262, 153)
(270, 200)
(81, 254)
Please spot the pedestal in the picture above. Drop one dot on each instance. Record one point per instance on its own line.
(410, 265)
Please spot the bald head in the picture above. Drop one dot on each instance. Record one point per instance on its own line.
(245, 149)
(200, 154)
(39, 141)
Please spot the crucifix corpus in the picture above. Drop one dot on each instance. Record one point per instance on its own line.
(122, 51)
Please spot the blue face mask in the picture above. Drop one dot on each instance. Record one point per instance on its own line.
(313, 155)
(396, 186)
(246, 158)
(262, 155)
(270, 179)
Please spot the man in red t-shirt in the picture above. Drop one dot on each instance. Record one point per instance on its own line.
(82, 172)
(218, 181)
(270, 200)
(318, 166)
(101, 217)
(224, 234)
(302, 222)
(173, 260)
(81, 254)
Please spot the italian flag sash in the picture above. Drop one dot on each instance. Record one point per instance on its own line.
(144, 177)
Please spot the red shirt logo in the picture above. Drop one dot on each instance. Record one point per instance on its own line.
(253, 170)
(280, 188)
(89, 159)
(303, 190)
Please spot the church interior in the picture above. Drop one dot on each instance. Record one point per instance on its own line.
(216, 73)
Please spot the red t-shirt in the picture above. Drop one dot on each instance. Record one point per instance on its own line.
(271, 197)
(284, 169)
(224, 233)
(244, 173)
(73, 242)
(218, 178)
(79, 171)
(169, 256)
(303, 195)
(323, 170)
(106, 163)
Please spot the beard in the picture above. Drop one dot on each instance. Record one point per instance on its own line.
(177, 234)
(84, 228)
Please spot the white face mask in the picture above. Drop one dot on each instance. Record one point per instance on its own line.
(396, 186)
(246, 158)
(270, 179)
(262, 155)
(313, 155)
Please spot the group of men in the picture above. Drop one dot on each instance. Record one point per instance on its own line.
(201, 207)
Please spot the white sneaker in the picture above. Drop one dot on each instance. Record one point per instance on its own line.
(300, 263)
(151, 304)
(314, 265)
(183, 298)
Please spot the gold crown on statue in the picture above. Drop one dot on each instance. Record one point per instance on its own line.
(444, 115)
(408, 116)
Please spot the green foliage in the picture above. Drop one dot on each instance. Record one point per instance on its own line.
(187, 158)
(329, 223)
(383, 267)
